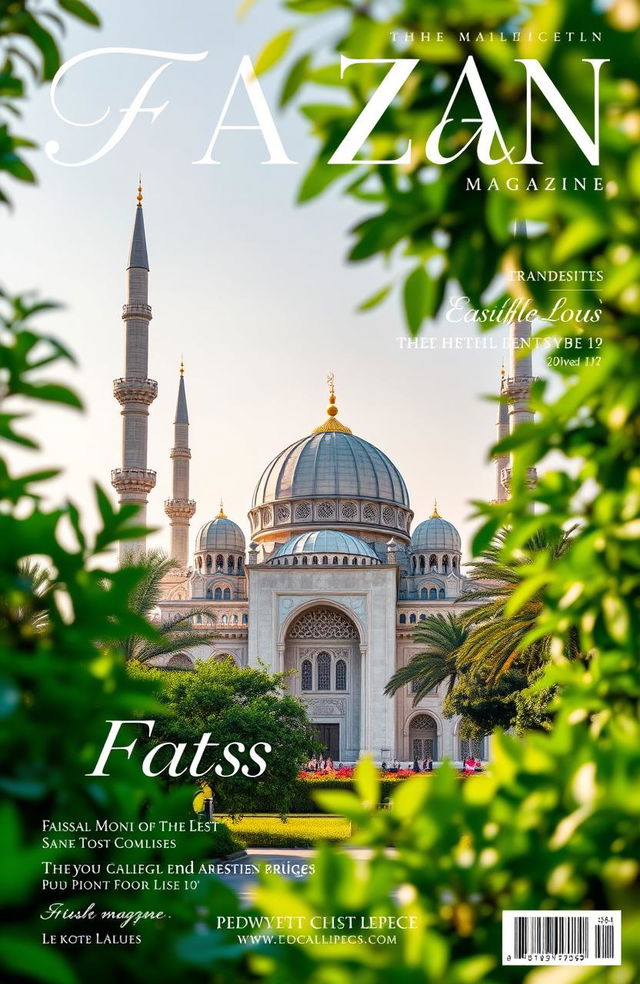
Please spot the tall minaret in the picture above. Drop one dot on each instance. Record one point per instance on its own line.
(520, 379)
(502, 431)
(135, 392)
(180, 508)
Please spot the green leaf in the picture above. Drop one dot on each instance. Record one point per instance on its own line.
(273, 51)
(319, 177)
(416, 289)
(375, 299)
(296, 76)
(81, 11)
(367, 782)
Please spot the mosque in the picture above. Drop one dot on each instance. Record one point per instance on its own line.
(336, 575)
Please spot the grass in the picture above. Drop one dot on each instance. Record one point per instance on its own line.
(267, 830)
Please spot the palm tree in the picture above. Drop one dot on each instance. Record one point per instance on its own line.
(34, 583)
(496, 641)
(443, 637)
(175, 633)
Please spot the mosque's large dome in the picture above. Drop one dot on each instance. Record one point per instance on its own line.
(330, 478)
(331, 464)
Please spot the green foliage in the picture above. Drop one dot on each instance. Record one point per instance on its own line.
(175, 632)
(304, 800)
(507, 600)
(31, 55)
(236, 704)
(223, 842)
(443, 635)
(423, 212)
(59, 684)
(534, 833)
(485, 704)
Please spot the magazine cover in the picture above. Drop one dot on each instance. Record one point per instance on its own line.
(320, 491)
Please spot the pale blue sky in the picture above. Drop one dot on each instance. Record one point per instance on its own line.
(251, 288)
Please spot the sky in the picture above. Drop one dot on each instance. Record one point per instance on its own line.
(252, 290)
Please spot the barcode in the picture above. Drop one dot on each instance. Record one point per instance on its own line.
(604, 942)
(556, 938)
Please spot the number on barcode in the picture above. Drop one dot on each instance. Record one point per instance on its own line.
(557, 938)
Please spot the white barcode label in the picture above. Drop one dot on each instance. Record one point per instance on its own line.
(559, 937)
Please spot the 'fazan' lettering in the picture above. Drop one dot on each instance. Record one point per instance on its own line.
(486, 135)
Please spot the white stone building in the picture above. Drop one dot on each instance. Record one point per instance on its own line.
(336, 575)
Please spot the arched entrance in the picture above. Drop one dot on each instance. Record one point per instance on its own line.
(322, 647)
(423, 738)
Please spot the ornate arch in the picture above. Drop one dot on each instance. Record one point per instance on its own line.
(322, 622)
(330, 605)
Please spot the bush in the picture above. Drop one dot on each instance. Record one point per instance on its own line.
(223, 842)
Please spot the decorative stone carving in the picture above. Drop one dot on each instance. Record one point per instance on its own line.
(283, 514)
(303, 511)
(326, 708)
(349, 510)
(326, 510)
(322, 623)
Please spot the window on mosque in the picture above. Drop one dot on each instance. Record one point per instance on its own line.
(354, 562)
(403, 620)
(305, 561)
(208, 564)
(239, 565)
(423, 617)
(335, 560)
(294, 562)
(306, 676)
(423, 594)
(472, 748)
(324, 671)
(235, 619)
(441, 593)
(315, 560)
(412, 619)
(433, 594)
(245, 619)
(345, 560)
(422, 565)
(224, 619)
(230, 565)
(218, 594)
(209, 594)
(226, 595)
(445, 564)
(219, 562)
(325, 560)
(341, 675)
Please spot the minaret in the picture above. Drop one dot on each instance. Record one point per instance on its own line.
(502, 431)
(135, 392)
(520, 379)
(180, 508)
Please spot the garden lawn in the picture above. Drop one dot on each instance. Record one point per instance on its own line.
(297, 830)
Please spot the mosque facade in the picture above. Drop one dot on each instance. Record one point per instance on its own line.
(337, 574)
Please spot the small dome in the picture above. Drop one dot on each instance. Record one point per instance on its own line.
(325, 542)
(220, 535)
(435, 533)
